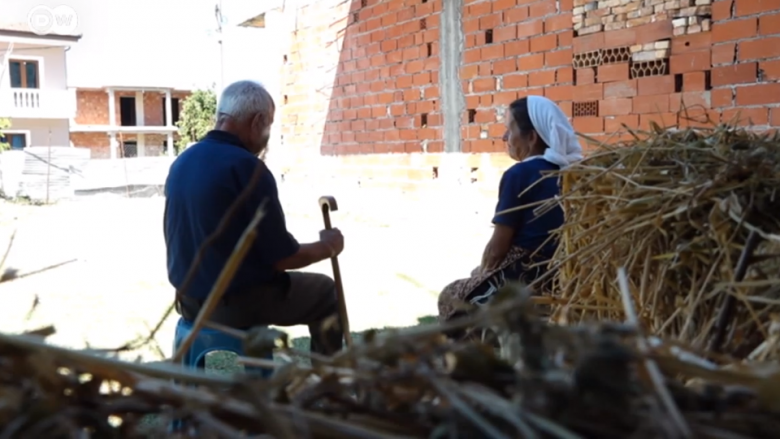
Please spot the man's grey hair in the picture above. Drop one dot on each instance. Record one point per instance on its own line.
(243, 99)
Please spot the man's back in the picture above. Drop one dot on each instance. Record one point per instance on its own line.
(203, 182)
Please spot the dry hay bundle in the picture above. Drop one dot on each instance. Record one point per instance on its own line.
(593, 381)
(677, 208)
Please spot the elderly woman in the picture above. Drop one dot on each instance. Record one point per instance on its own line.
(541, 139)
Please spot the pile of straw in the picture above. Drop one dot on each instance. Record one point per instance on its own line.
(693, 216)
(595, 381)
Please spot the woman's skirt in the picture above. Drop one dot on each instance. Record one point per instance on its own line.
(480, 287)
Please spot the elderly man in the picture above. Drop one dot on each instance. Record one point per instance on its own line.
(202, 184)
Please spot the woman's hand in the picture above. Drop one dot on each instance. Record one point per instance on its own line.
(497, 248)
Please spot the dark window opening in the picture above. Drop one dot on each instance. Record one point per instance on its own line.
(424, 120)
(678, 83)
(430, 49)
(15, 141)
(489, 36)
(127, 117)
(472, 115)
(24, 74)
(174, 111)
(130, 148)
(708, 80)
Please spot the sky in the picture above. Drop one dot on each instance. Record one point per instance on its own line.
(165, 43)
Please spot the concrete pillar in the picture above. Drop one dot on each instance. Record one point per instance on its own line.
(453, 101)
(169, 122)
(139, 121)
(113, 143)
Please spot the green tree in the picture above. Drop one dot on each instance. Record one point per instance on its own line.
(5, 123)
(197, 117)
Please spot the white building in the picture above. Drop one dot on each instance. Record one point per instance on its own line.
(34, 87)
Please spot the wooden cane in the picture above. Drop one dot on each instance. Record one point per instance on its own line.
(328, 205)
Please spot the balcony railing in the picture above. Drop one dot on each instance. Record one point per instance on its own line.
(37, 103)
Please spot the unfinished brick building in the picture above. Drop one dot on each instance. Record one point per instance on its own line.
(386, 87)
(140, 125)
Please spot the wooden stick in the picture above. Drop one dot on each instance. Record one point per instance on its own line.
(652, 368)
(328, 204)
(726, 313)
(224, 279)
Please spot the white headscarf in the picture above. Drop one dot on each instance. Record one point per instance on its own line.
(554, 128)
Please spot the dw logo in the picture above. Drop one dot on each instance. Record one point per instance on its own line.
(44, 20)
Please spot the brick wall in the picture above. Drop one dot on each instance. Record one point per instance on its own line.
(363, 79)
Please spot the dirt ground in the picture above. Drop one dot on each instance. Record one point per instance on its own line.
(398, 255)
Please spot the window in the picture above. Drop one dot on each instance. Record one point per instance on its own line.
(24, 74)
(127, 111)
(17, 141)
(174, 111)
(129, 149)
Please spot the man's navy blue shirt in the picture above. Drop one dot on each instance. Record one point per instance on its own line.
(531, 231)
(202, 184)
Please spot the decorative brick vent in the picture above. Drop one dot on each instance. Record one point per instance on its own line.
(658, 67)
(583, 109)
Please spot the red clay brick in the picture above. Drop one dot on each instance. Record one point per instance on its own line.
(613, 72)
(515, 81)
(615, 107)
(558, 22)
(504, 66)
(505, 33)
(615, 124)
(734, 74)
(588, 125)
(516, 15)
(770, 69)
(721, 9)
(690, 100)
(544, 43)
(752, 7)
(768, 47)
(622, 89)
(541, 78)
(564, 75)
(588, 43)
(618, 38)
(585, 76)
(769, 24)
(734, 30)
(774, 119)
(530, 28)
(694, 81)
(651, 104)
(691, 43)
(652, 32)
(663, 120)
(482, 85)
(592, 92)
(724, 54)
(558, 58)
(747, 116)
(559, 93)
(542, 8)
(516, 48)
(760, 94)
(531, 62)
(723, 97)
(691, 62)
(500, 5)
(655, 85)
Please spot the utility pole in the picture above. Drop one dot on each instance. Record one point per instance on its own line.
(218, 16)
